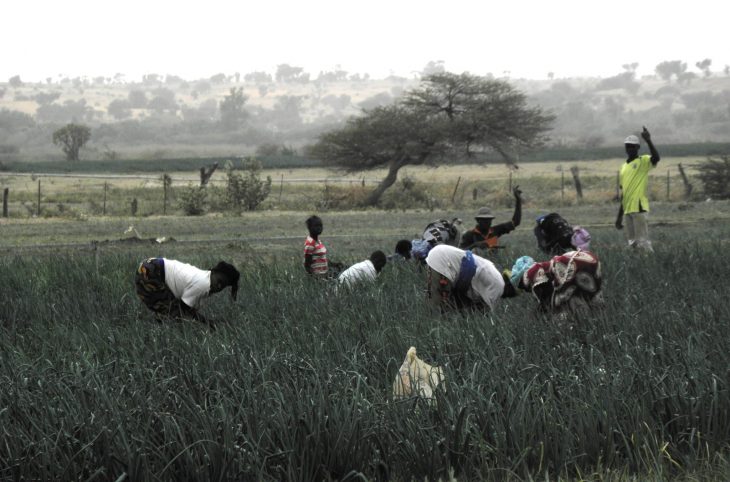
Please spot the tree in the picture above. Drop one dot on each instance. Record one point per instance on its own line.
(163, 100)
(137, 99)
(448, 116)
(119, 109)
(15, 82)
(257, 77)
(482, 113)
(433, 67)
(666, 69)
(392, 136)
(704, 66)
(288, 73)
(233, 115)
(715, 176)
(71, 138)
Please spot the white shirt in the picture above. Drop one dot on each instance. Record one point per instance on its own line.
(187, 283)
(487, 282)
(362, 271)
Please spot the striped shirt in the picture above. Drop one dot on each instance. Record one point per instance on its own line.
(318, 252)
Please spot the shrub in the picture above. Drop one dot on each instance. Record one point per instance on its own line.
(246, 192)
(193, 200)
(715, 177)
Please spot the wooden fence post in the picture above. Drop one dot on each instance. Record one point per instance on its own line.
(453, 195)
(38, 212)
(6, 192)
(575, 171)
(562, 187)
(95, 248)
(668, 170)
(103, 208)
(166, 182)
(685, 181)
(281, 186)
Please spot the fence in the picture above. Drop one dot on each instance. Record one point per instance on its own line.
(26, 195)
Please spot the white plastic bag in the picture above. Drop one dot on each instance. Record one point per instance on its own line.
(416, 378)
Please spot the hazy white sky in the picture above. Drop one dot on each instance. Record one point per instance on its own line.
(197, 39)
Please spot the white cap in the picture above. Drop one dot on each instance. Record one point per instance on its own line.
(632, 139)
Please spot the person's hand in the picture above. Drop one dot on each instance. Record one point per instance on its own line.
(516, 191)
(645, 134)
(619, 224)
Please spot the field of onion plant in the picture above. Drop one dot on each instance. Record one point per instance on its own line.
(296, 381)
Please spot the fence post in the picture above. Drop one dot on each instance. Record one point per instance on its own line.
(510, 181)
(103, 209)
(453, 195)
(562, 187)
(166, 182)
(281, 186)
(575, 171)
(38, 212)
(668, 184)
(687, 184)
(6, 192)
(95, 247)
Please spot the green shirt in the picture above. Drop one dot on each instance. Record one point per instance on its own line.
(633, 179)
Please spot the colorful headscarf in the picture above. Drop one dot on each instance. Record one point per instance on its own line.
(522, 264)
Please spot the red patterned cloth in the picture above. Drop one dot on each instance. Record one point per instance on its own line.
(318, 251)
(556, 282)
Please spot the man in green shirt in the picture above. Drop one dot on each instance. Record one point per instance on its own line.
(633, 179)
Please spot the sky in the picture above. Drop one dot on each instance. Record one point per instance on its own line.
(198, 39)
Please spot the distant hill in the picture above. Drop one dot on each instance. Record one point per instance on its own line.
(170, 117)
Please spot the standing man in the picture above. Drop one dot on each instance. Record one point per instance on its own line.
(633, 179)
(484, 235)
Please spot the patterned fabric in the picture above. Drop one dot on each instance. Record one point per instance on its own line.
(149, 283)
(318, 251)
(575, 273)
(522, 264)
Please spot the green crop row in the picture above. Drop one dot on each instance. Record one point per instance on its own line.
(295, 384)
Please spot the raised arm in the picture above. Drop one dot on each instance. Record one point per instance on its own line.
(517, 216)
(654, 153)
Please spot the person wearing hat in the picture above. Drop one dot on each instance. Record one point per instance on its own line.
(171, 288)
(485, 235)
(568, 283)
(633, 180)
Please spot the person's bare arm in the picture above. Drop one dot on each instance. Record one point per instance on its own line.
(655, 158)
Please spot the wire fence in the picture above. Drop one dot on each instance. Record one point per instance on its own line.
(53, 194)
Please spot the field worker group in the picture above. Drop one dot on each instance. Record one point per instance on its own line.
(458, 277)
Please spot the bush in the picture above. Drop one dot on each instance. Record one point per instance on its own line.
(193, 200)
(715, 177)
(246, 192)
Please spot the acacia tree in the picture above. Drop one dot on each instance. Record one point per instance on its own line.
(233, 114)
(448, 116)
(71, 138)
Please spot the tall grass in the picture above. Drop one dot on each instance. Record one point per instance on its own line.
(295, 383)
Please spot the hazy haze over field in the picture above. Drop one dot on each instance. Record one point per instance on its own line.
(529, 38)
